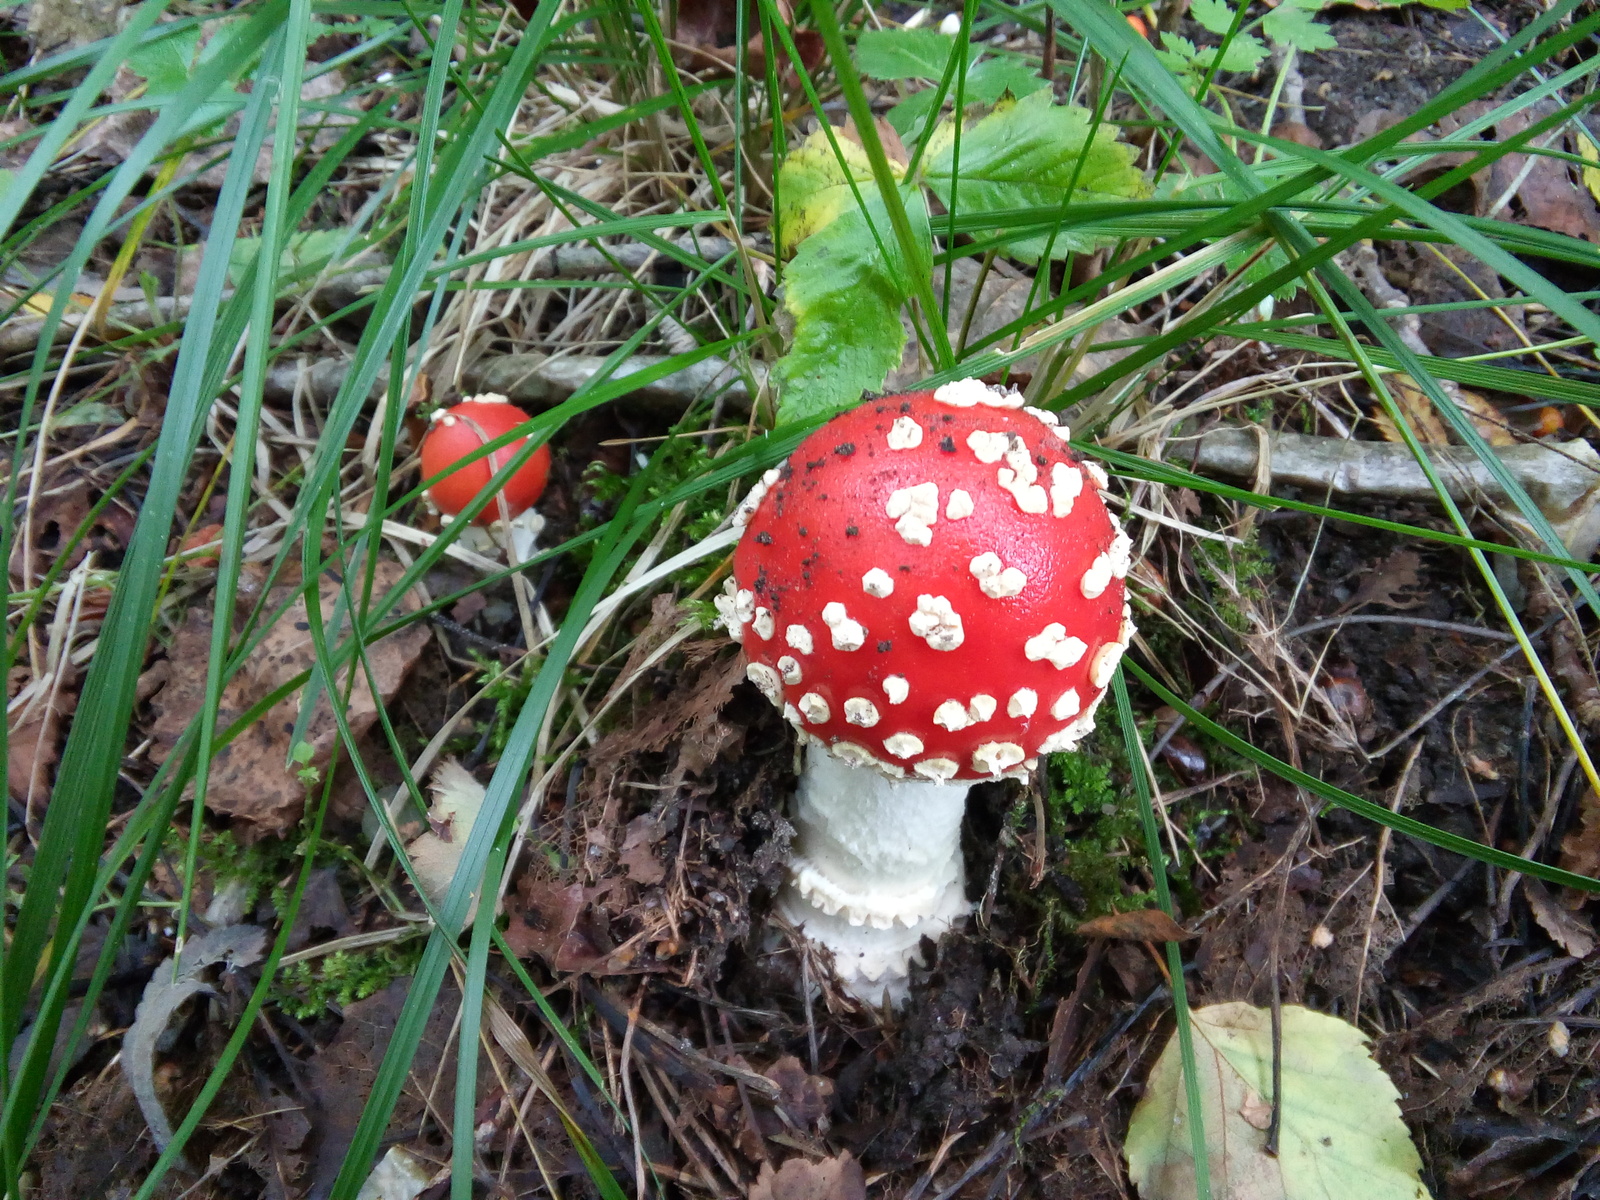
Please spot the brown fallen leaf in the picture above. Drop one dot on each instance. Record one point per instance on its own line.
(1417, 409)
(704, 35)
(1545, 192)
(1429, 427)
(34, 743)
(1580, 849)
(838, 1178)
(339, 1077)
(1569, 930)
(805, 1098)
(1256, 1112)
(1387, 583)
(638, 855)
(64, 501)
(203, 536)
(1143, 925)
(545, 923)
(250, 780)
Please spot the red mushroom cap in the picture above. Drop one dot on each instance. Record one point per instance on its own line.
(930, 585)
(458, 432)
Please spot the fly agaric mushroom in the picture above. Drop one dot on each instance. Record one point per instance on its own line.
(455, 433)
(933, 596)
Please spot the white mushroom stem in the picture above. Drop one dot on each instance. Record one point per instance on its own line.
(876, 868)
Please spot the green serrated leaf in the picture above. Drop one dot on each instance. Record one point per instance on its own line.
(1342, 1134)
(1255, 271)
(904, 53)
(1242, 53)
(993, 78)
(910, 114)
(165, 65)
(1178, 46)
(845, 301)
(815, 188)
(1027, 154)
(988, 81)
(1294, 25)
(1213, 15)
(302, 253)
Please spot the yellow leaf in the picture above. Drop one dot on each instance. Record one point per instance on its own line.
(814, 185)
(1342, 1135)
(1591, 175)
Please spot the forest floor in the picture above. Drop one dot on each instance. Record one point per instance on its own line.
(641, 897)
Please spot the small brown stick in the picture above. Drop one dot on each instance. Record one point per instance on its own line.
(1384, 836)
(671, 1114)
(1047, 67)
(1494, 635)
(744, 1092)
(626, 1069)
(1275, 1129)
(1069, 1016)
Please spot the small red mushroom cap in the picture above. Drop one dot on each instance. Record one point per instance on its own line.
(932, 585)
(460, 431)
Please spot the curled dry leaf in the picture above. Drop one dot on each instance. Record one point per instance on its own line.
(1388, 583)
(399, 1175)
(1569, 930)
(806, 1098)
(250, 780)
(232, 947)
(1145, 925)
(1580, 849)
(457, 797)
(838, 1178)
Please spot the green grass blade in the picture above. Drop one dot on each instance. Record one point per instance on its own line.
(1139, 768)
(74, 827)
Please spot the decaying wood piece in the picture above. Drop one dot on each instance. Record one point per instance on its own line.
(541, 380)
(1561, 478)
(576, 261)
